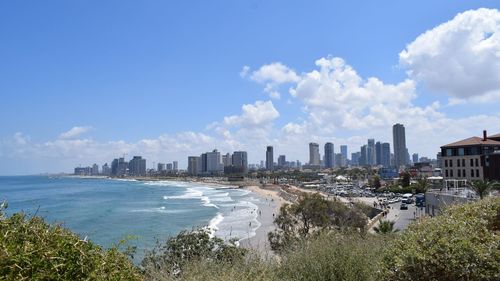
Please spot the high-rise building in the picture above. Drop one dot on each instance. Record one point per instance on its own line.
(329, 155)
(378, 153)
(137, 166)
(355, 158)
(363, 161)
(339, 160)
(176, 166)
(415, 158)
(385, 155)
(226, 160)
(314, 157)
(282, 161)
(95, 170)
(169, 167)
(105, 171)
(240, 160)
(343, 151)
(204, 164)
(269, 158)
(214, 164)
(399, 142)
(370, 153)
(161, 167)
(194, 165)
(119, 167)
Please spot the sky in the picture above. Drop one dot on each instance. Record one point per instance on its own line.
(83, 82)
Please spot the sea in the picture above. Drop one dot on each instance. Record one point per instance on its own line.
(144, 213)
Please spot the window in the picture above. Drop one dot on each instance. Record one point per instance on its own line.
(477, 173)
(459, 173)
(458, 162)
(471, 173)
(446, 163)
(477, 164)
(451, 173)
(446, 173)
(449, 152)
(463, 162)
(451, 163)
(472, 162)
(463, 173)
(461, 151)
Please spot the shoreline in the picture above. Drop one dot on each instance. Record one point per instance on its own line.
(268, 210)
(268, 207)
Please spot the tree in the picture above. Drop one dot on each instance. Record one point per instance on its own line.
(311, 215)
(385, 227)
(376, 182)
(405, 179)
(188, 246)
(422, 185)
(483, 187)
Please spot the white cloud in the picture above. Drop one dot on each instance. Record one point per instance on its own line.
(460, 57)
(276, 73)
(244, 71)
(272, 76)
(254, 115)
(75, 132)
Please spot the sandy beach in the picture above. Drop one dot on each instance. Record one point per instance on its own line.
(269, 208)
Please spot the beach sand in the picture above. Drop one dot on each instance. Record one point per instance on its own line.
(269, 209)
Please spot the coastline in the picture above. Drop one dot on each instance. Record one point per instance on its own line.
(268, 210)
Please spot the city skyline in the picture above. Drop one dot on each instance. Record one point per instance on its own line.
(236, 85)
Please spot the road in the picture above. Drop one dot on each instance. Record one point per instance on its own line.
(403, 217)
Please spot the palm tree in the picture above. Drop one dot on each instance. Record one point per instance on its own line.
(385, 227)
(422, 184)
(483, 187)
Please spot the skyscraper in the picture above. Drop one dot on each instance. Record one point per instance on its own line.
(214, 163)
(269, 158)
(415, 158)
(343, 151)
(314, 158)
(194, 162)
(385, 155)
(281, 161)
(329, 155)
(370, 153)
(137, 166)
(363, 156)
(378, 153)
(176, 166)
(399, 142)
(240, 160)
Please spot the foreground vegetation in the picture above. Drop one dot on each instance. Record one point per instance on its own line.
(461, 244)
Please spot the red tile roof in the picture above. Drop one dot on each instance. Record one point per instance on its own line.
(472, 141)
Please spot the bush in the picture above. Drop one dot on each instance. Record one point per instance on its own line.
(310, 215)
(461, 244)
(31, 249)
(189, 247)
(334, 256)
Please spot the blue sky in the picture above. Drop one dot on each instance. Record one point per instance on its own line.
(138, 75)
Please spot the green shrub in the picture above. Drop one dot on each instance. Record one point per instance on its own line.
(334, 256)
(461, 244)
(188, 247)
(31, 249)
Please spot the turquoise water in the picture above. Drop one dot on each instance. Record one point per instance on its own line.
(107, 210)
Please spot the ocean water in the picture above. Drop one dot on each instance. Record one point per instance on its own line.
(108, 210)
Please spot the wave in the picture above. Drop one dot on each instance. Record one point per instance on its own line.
(214, 223)
(161, 210)
(192, 193)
